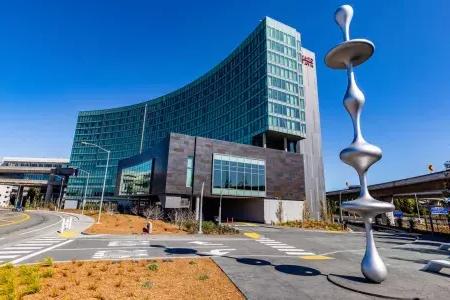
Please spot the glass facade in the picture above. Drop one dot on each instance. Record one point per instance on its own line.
(257, 88)
(238, 176)
(136, 180)
(189, 171)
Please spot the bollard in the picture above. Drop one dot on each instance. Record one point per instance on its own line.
(70, 223)
(62, 226)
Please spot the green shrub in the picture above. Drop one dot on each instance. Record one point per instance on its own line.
(191, 226)
(47, 262)
(18, 282)
(203, 277)
(209, 227)
(153, 267)
(147, 285)
(47, 273)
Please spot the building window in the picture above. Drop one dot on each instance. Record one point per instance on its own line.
(135, 180)
(238, 176)
(189, 170)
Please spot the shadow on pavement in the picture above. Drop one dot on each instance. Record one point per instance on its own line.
(297, 270)
(394, 237)
(428, 243)
(393, 243)
(423, 250)
(417, 261)
(180, 251)
(437, 273)
(287, 269)
(357, 279)
(252, 261)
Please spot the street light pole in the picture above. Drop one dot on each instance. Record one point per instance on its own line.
(220, 207)
(200, 221)
(85, 189)
(104, 179)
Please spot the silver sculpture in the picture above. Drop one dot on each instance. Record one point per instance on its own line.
(360, 154)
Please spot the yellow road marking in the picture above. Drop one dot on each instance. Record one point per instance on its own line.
(316, 257)
(252, 235)
(68, 234)
(25, 217)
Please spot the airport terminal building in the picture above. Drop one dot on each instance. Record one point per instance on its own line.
(254, 119)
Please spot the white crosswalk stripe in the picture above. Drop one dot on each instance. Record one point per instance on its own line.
(287, 249)
(14, 252)
(8, 256)
(99, 254)
(27, 247)
(34, 244)
(21, 248)
(300, 253)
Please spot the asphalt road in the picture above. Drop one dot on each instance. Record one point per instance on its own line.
(37, 234)
(268, 262)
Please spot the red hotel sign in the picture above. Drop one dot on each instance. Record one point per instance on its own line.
(308, 61)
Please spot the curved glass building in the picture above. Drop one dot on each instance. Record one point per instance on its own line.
(254, 96)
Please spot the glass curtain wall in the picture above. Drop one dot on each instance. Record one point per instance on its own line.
(136, 180)
(238, 176)
(285, 79)
(230, 102)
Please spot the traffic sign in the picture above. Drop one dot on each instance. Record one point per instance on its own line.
(437, 210)
(398, 214)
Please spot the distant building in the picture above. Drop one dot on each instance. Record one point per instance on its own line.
(18, 174)
(263, 94)
(447, 165)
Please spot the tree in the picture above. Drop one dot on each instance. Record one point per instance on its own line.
(279, 213)
(153, 212)
(408, 205)
(182, 217)
(33, 195)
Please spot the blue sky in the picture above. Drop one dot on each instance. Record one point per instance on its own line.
(60, 57)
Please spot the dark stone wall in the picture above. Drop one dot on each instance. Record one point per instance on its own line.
(284, 170)
(180, 148)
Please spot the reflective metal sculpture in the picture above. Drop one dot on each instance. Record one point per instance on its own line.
(360, 154)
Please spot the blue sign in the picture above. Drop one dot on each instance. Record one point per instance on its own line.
(437, 210)
(398, 214)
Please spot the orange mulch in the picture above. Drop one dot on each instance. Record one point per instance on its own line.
(129, 224)
(145, 279)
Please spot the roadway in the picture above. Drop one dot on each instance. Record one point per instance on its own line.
(267, 262)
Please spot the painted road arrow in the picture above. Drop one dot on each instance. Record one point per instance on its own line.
(218, 252)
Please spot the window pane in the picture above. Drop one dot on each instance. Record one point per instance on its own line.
(238, 175)
(217, 179)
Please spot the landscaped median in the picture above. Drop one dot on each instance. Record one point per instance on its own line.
(129, 224)
(314, 225)
(115, 223)
(181, 278)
